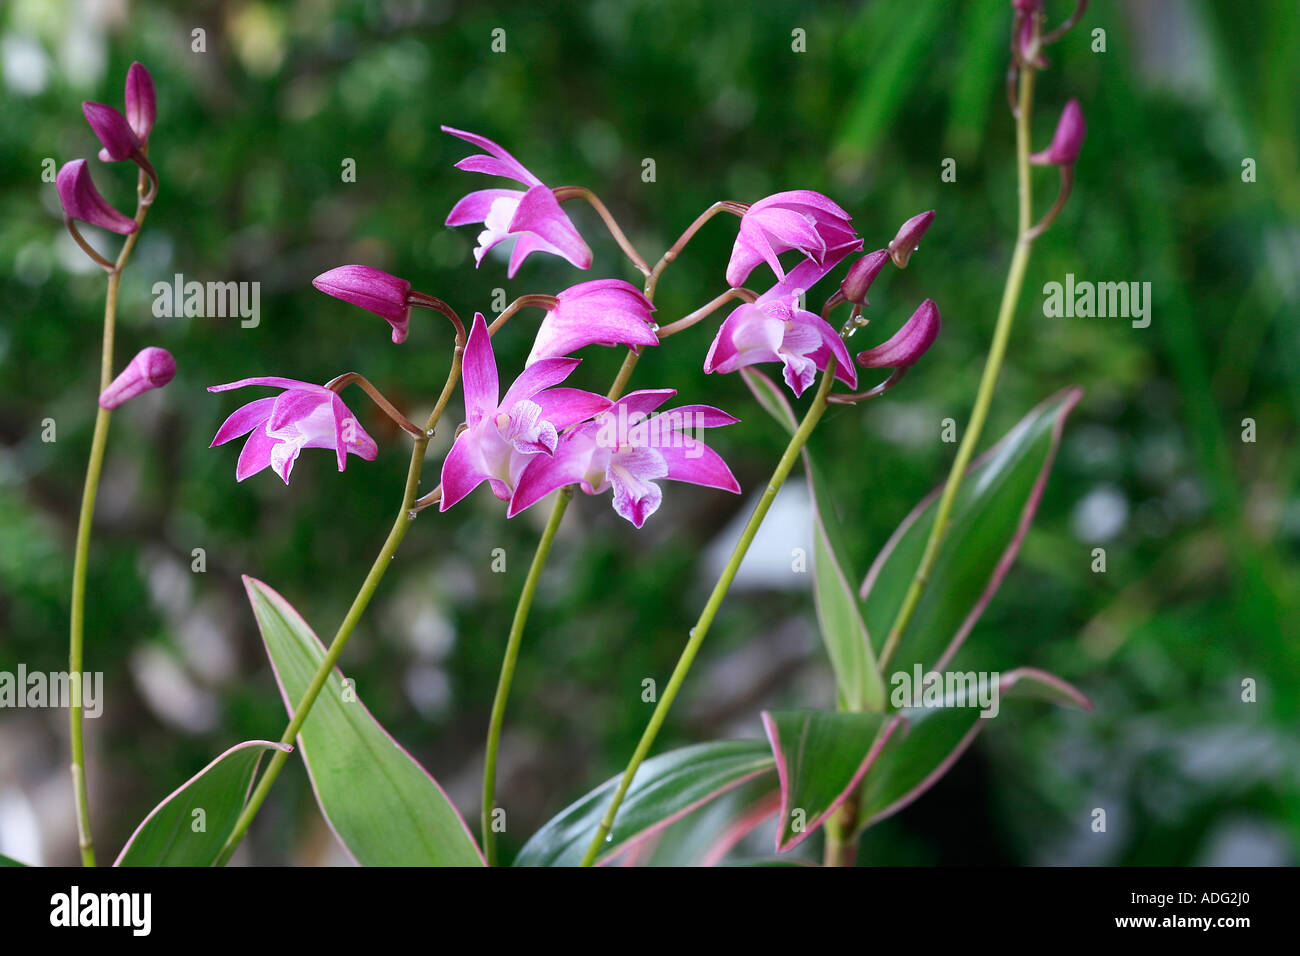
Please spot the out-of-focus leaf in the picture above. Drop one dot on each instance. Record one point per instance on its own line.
(666, 788)
(930, 739)
(383, 806)
(990, 516)
(9, 861)
(843, 631)
(847, 643)
(820, 757)
(190, 826)
(705, 837)
(771, 398)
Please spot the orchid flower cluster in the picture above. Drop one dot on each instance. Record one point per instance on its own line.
(542, 437)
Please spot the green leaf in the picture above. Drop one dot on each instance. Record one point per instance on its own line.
(771, 398)
(383, 806)
(9, 861)
(213, 797)
(666, 788)
(930, 739)
(707, 836)
(990, 516)
(843, 630)
(820, 758)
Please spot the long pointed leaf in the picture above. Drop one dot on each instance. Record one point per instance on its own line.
(820, 758)
(191, 825)
(990, 516)
(666, 788)
(384, 807)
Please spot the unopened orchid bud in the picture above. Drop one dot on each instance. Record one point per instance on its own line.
(861, 274)
(152, 368)
(1028, 42)
(113, 131)
(373, 290)
(81, 200)
(909, 238)
(1067, 141)
(909, 343)
(141, 101)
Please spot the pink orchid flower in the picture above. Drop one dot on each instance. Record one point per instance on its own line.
(533, 216)
(800, 219)
(503, 435)
(625, 450)
(775, 329)
(302, 416)
(602, 312)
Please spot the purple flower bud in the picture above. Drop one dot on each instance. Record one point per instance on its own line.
(113, 131)
(373, 290)
(152, 368)
(141, 101)
(861, 274)
(1067, 141)
(909, 237)
(82, 201)
(1027, 6)
(907, 344)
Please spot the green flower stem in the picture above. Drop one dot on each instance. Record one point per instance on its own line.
(77, 616)
(701, 628)
(508, 670)
(988, 381)
(562, 500)
(401, 524)
(513, 642)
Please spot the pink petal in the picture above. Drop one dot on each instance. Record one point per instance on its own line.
(270, 380)
(244, 420)
(512, 168)
(539, 376)
(802, 197)
(631, 473)
(475, 206)
(460, 473)
(545, 474)
(479, 373)
(256, 454)
(539, 212)
(563, 407)
(698, 464)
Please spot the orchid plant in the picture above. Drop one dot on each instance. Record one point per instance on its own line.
(833, 771)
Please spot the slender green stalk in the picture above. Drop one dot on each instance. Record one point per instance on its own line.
(508, 670)
(988, 381)
(80, 561)
(401, 524)
(616, 390)
(701, 628)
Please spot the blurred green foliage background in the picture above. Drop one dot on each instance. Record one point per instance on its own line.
(1201, 529)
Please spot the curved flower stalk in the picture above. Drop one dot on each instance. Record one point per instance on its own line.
(122, 138)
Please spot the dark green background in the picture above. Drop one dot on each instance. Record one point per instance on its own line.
(1200, 590)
